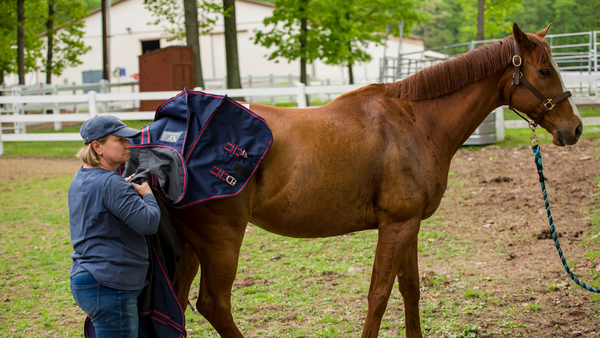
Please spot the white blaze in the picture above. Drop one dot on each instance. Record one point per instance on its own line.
(573, 106)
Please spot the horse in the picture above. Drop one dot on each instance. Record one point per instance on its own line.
(376, 158)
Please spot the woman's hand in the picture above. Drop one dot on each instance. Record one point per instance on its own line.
(128, 179)
(143, 188)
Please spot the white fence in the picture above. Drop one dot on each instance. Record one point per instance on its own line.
(94, 99)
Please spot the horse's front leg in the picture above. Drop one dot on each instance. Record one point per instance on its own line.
(188, 270)
(393, 244)
(408, 283)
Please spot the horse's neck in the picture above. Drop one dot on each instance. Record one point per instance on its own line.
(452, 118)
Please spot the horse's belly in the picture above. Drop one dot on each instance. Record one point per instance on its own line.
(309, 220)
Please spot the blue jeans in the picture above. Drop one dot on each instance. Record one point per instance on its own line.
(113, 312)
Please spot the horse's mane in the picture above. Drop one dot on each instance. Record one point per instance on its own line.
(453, 74)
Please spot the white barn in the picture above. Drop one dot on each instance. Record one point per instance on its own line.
(130, 31)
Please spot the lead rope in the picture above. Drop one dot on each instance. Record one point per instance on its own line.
(540, 168)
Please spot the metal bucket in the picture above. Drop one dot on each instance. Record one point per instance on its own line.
(485, 133)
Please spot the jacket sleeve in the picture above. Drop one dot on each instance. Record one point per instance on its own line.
(122, 200)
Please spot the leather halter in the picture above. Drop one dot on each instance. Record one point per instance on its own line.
(518, 78)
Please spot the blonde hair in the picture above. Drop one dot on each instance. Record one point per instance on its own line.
(88, 155)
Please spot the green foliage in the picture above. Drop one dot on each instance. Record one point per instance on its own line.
(285, 32)
(68, 46)
(171, 14)
(351, 25)
(497, 16)
(338, 31)
(455, 21)
(33, 27)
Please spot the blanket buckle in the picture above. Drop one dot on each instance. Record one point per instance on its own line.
(231, 180)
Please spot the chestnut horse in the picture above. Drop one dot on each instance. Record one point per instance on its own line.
(374, 158)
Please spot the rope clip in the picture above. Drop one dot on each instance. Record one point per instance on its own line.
(533, 127)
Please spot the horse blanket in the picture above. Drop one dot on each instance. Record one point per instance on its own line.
(200, 147)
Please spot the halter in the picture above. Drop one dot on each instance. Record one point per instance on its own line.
(518, 78)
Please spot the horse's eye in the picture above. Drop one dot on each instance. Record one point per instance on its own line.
(545, 72)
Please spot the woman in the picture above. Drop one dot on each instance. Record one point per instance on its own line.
(109, 218)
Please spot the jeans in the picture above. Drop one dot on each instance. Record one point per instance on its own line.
(113, 312)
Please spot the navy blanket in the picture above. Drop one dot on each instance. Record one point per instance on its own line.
(200, 147)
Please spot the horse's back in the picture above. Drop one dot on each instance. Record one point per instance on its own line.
(324, 173)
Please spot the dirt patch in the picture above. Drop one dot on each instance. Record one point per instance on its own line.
(494, 198)
(21, 168)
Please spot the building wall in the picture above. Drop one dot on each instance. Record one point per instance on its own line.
(129, 27)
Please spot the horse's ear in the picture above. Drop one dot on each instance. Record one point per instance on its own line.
(521, 38)
(543, 32)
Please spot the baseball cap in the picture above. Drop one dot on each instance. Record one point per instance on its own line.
(100, 126)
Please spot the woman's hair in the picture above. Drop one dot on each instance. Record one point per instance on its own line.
(88, 155)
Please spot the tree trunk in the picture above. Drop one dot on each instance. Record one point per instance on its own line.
(350, 74)
(303, 35)
(193, 38)
(234, 79)
(231, 47)
(21, 40)
(50, 33)
(105, 70)
(480, 19)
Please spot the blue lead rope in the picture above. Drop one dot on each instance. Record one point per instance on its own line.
(540, 169)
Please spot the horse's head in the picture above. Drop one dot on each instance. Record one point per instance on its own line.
(559, 115)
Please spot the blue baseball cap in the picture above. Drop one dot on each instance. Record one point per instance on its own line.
(100, 126)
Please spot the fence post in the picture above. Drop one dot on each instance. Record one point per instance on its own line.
(499, 124)
(1, 144)
(17, 110)
(272, 84)
(104, 88)
(75, 104)
(301, 97)
(250, 99)
(93, 110)
(291, 84)
(56, 109)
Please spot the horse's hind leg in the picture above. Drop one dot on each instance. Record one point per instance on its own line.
(393, 244)
(408, 281)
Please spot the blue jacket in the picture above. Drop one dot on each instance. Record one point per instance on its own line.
(108, 221)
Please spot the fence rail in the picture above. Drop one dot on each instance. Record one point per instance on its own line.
(94, 99)
(577, 52)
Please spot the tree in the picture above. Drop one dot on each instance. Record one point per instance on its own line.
(193, 39)
(29, 24)
(231, 47)
(336, 31)
(442, 26)
(21, 40)
(291, 33)
(178, 21)
(495, 13)
(8, 29)
(63, 50)
(351, 25)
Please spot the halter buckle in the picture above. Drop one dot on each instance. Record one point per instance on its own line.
(549, 104)
(515, 59)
